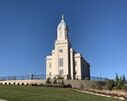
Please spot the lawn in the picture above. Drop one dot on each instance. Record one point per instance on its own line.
(32, 93)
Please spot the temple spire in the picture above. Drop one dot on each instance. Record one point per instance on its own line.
(62, 29)
(62, 17)
(62, 23)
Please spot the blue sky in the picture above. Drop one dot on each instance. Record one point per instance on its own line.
(97, 29)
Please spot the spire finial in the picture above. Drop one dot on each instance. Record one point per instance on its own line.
(62, 17)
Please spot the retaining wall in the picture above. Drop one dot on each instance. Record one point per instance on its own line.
(73, 83)
(84, 83)
(22, 82)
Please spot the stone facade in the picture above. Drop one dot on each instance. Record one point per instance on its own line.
(64, 61)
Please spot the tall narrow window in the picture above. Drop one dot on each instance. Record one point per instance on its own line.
(49, 73)
(50, 65)
(75, 63)
(61, 71)
(60, 62)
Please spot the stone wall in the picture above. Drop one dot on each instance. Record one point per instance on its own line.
(84, 83)
(73, 83)
(22, 82)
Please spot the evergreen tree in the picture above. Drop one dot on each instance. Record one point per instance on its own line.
(124, 79)
(116, 80)
(120, 83)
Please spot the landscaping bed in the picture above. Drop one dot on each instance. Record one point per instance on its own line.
(115, 93)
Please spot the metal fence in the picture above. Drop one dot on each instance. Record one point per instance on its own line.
(93, 78)
(23, 77)
(43, 77)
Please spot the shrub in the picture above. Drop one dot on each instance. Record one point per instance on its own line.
(13, 83)
(93, 86)
(109, 84)
(34, 84)
(120, 83)
(60, 77)
(81, 86)
(54, 80)
(62, 82)
(41, 84)
(68, 86)
(99, 86)
(124, 88)
(48, 81)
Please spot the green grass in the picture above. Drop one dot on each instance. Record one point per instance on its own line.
(30, 93)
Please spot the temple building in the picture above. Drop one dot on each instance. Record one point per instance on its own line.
(64, 62)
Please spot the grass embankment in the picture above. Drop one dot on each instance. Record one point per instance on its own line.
(32, 93)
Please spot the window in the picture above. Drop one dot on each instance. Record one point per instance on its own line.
(60, 62)
(50, 65)
(75, 63)
(61, 71)
(49, 73)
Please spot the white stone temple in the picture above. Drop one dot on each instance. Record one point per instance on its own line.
(64, 62)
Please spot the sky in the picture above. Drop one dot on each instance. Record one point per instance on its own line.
(97, 30)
